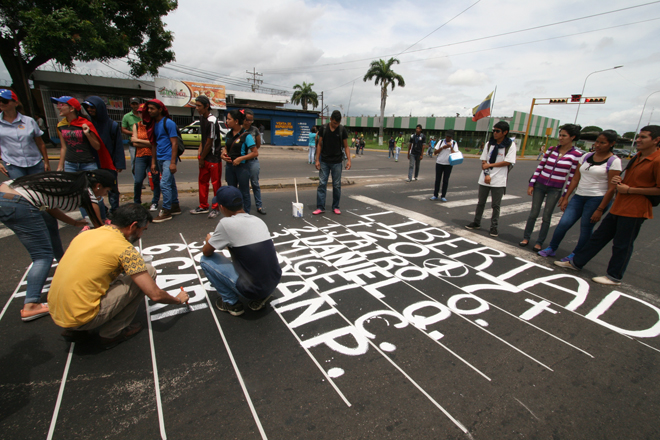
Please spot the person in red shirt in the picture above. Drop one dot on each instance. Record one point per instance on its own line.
(631, 207)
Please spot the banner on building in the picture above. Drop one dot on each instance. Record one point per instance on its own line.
(183, 93)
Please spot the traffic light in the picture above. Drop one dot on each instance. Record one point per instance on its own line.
(575, 98)
(600, 100)
(558, 100)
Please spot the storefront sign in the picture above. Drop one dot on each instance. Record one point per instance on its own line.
(183, 93)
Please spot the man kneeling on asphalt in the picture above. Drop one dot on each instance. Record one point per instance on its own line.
(254, 270)
(88, 291)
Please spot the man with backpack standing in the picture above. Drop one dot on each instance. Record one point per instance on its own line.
(164, 137)
(332, 140)
(499, 154)
(415, 152)
(637, 193)
(208, 157)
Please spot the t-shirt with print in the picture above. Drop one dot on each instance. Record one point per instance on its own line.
(93, 260)
(499, 175)
(333, 144)
(417, 141)
(443, 155)
(594, 180)
(78, 147)
(253, 254)
(242, 145)
(163, 141)
(209, 130)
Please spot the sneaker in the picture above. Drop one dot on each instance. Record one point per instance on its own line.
(163, 216)
(493, 232)
(415, 178)
(199, 210)
(318, 211)
(232, 309)
(547, 252)
(31, 315)
(408, 180)
(153, 207)
(396, 160)
(473, 225)
(125, 335)
(433, 198)
(214, 213)
(336, 211)
(261, 210)
(260, 304)
(569, 257)
(176, 209)
(606, 281)
(566, 265)
(443, 199)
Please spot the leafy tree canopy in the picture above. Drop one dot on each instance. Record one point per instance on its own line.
(305, 95)
(590, 129)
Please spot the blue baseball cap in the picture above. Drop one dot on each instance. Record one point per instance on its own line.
(229, 197)
(73, 102)
(8, 94)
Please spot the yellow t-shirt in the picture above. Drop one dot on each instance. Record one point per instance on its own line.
(93, 260)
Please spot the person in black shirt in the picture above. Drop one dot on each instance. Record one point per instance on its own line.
(391, 147)
(415, 152)
(253, 164)
(333, 138)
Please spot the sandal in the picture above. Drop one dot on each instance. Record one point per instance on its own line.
(524, 243)
(36, 313)
(537, 248)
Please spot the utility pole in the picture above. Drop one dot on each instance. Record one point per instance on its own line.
(254, 79)
(322, 121)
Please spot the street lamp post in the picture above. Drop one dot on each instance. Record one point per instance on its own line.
(585, 84)
(640, 116)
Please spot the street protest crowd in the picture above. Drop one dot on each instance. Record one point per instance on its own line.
(104, 299)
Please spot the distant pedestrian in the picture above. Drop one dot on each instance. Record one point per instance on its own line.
(140, 140)
(262, 129)
(399, 144)
(312, 146)
(240, 147)
(163, 135)
(443, 168)
(542, 151)
(362, 145)
(22, 148)
(208, 157)
(495, 162)
(391, 145)
(41, 122)
(253, 164)
(415, 152)
(431, 147)
(333, 139)
(594, 191)
(127, 122)
(550, 180)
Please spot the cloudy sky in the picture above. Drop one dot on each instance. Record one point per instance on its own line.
(331, 43)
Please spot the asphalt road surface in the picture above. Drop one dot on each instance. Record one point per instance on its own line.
(391, 321)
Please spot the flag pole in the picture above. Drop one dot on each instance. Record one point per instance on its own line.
(490, 117)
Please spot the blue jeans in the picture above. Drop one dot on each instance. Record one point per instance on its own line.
(579, 207)
(324, 173)
(142, 165)
(38, 232)
(253, 166)
(311, 157)
(15, 171)
(622, 231)
(551, 196)
(413, 163)
(221, 273)
(396, 155)
(72, 167)
(167, 184)
(239, 177)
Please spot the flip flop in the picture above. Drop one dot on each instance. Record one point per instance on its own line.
(524, 243)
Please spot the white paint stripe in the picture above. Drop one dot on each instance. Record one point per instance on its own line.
(179, 311)
(449, 194)
(469, 202)
(507, 210)
(159, 403)
(652, 348)
(4, 309)
(53, 421)
(231, 356)
(376, 185)
(525, 406)
(415, 384)
(554, 221)
(329, 379)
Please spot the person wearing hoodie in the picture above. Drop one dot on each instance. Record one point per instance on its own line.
(110, 133)
(162, 133)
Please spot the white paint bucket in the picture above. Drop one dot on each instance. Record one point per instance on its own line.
(297, 209)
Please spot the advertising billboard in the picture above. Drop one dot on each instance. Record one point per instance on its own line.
(183, 93)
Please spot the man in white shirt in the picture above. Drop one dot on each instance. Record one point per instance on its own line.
(443, 169)
(495, 161)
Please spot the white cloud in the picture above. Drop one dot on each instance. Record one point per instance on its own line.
(467, 77)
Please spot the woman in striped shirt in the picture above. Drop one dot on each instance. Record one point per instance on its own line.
(31, 205)
(552, 175)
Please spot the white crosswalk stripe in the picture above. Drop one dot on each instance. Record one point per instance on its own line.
(468, 202)
(554, 221)
(454, 194)
(507, 210)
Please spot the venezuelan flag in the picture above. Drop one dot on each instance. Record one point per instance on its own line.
(483, 109)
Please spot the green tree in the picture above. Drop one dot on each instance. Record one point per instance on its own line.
(382, 71)
(305, 95)
(591, 129)
(629, 135)
(33, 32)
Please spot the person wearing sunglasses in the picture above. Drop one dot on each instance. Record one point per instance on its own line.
(498, 156)
(21, 147)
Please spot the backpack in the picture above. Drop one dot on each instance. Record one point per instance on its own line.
(610, 161)
(655, 200)
(180, 147)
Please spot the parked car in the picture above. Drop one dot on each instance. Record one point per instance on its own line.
(621, 153)
(192, 137)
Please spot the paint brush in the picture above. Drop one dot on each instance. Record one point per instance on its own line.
(188, 308)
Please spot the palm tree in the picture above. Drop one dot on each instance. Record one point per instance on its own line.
(304, 94)
(384, 75)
